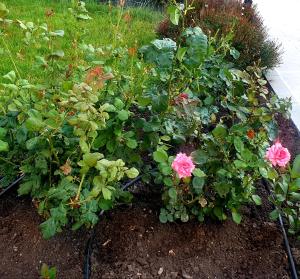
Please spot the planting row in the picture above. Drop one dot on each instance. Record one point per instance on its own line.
(178, 112)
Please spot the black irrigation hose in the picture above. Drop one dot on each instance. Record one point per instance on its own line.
(12, 185)
(88, 248)
(286, 241)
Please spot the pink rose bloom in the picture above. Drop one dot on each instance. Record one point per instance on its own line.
(278, 155)
(183, 165)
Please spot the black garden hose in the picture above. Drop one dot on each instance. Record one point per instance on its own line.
(12, 185)
(89, 248)
(286, 240)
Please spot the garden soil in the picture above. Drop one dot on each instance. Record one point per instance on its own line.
(131, 243)
(23, 250)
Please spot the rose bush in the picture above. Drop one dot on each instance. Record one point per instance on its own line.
(177, 112)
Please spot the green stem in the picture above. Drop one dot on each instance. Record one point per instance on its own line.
(80, 187)
(11, 57)
(9, 162)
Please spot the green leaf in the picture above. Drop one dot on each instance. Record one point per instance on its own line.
(105, 204)
(166, 170)
(57, 54)
(274, 214)
(295, 185)
(256, 199)
(234, 53)
(83, 16)
(11, 76)
(199, 173)
(131, 143)
(220, 132)
(238, 144)
(101, 140)
(123, 115)
(272, 174)
(84, 146)
(163, 218)
(3, 146)
(107, 194)
(199, 157)
(198, 183)
(48, 228)
(168, 181)
(174, 14)
(56, 33)
(240, 164)
(32, 143)
(3, 132)
(237, 218)
(263, 172)
(119, 104)
(91, 159)
(25, 188)
(172, 193)
(160, 155)
(132, 173)
(34, 124)
(184, 217)
(180, 53)
(218, 211)
(197, 46)
(296, 167)
(222, 188)
(3, 10)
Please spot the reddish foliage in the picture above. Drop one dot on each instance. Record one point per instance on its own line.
(249, 33)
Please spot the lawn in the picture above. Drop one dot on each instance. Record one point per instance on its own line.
(137, 28)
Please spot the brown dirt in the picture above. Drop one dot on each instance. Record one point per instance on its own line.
(289, 135)
(23, 250)
(131, 243)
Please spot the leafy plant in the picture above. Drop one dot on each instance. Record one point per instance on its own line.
(48, 272)
(285, 189)
(219, 17)
(53, 132)
(80, 132)
(223, 115)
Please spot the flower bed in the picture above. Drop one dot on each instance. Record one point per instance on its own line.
(177, 114)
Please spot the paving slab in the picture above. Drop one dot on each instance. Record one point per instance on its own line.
(283, 22)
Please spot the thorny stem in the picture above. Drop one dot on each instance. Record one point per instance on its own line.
(79, 188)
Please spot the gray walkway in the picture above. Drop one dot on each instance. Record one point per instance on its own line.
(283, 21)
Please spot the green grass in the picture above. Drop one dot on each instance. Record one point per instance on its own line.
(99, 31)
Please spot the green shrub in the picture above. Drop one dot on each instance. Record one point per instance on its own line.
(87, 126)
(217, 112)
(220, 17)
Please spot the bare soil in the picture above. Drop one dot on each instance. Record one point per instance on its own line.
(23, 250)
(131, 243)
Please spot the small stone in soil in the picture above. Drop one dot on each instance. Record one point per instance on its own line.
(160, 271)
(186, 276)
(172, 253)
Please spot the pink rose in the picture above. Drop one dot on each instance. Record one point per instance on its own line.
(278, 155)
(183, 165)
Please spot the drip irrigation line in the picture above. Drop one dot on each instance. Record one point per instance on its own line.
(89, 248)
(285, 237)
(12, 185)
